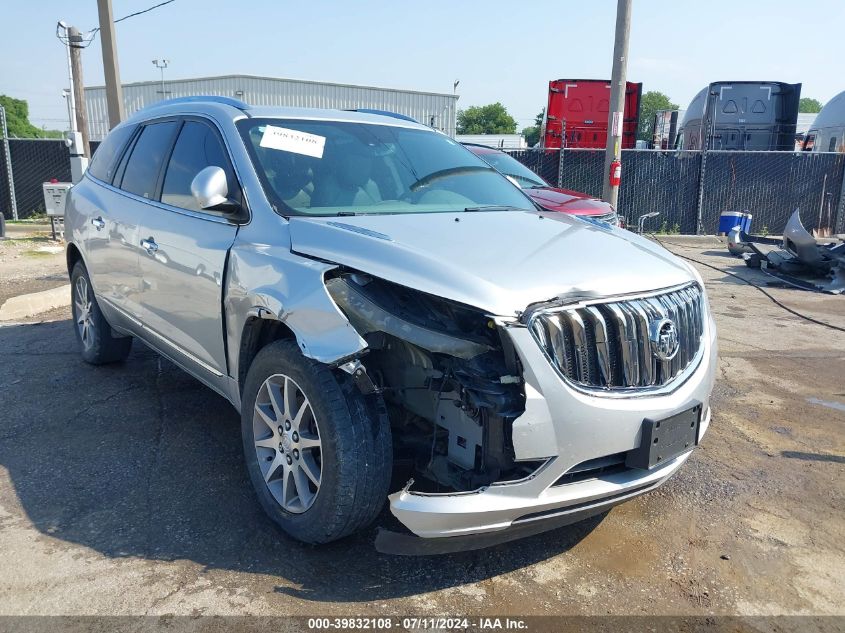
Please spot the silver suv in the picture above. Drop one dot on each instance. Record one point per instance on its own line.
(393, 319)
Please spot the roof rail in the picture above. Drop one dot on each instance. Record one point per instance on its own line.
(394, 115)
(229, 101)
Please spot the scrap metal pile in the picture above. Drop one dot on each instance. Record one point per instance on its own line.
(797, 259)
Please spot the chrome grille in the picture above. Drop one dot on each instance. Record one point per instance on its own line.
(610, 218)
(606, 345)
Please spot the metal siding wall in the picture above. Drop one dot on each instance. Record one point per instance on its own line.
(280, 92)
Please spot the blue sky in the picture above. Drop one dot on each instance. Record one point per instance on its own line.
(500, 51)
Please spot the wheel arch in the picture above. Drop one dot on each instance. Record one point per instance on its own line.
(73, 255)
(271, 294)
(257, 333)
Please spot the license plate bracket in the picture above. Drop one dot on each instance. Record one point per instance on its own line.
(665, 439)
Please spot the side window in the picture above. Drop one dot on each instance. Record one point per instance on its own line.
(809, 142)
(148, 155)
(197, 147)
(103, 162)
(831, 147)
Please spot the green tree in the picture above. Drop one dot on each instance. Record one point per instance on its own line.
(532, 133)
(17, 120)
(488, 119)
(808, 104)
(652, 101)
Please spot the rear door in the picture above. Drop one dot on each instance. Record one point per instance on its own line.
(184, 251)
(112, 247)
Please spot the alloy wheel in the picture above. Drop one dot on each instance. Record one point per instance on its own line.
(287, 443)
(84, 321)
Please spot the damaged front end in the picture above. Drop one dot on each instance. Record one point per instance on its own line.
(450, 379)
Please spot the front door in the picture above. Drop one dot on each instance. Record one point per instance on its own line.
(184, 253)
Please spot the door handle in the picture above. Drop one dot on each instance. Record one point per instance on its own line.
(149, 245)
(98, 223)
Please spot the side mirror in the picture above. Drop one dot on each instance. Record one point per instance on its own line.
(209, 188)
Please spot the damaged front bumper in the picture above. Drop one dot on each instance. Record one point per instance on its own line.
(567, 427)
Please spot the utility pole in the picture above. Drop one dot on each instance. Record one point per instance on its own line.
(616, 116)
(114, 91)
(71, 99)
(75, 44)
(78, 159)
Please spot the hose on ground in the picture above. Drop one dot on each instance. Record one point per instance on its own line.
(750, 283)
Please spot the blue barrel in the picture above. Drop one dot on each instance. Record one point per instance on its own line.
(730, 219)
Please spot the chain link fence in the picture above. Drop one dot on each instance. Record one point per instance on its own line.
(34, 162)
(770, 186)
(690, 189)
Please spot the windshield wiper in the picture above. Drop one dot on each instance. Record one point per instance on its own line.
(490, 207)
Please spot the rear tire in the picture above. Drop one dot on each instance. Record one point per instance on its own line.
(96, 341)
(318, 452)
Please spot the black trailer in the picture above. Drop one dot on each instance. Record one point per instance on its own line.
(742, 115)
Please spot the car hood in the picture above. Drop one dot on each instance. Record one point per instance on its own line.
(567, 201)
(500, 262)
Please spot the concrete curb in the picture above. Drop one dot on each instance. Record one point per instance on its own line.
(35, 303)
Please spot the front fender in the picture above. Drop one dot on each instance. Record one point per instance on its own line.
(270, 279)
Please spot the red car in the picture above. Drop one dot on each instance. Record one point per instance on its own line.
(541, 192)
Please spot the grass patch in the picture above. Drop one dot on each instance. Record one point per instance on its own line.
(35, 240)
(38, 219)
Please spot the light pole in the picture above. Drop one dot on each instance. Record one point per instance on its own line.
(161, 64)
(67, 96)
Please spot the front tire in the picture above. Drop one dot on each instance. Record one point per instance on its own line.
(93, 332)
(318, 452)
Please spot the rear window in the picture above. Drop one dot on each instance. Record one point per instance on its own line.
(144, 166)
(104, 161)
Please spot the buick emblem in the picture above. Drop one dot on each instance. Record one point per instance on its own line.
(663, 336)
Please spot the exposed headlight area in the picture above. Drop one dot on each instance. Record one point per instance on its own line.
(450, 385)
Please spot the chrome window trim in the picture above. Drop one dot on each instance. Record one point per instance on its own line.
(165, 207)
(182, 117)
(624, 392)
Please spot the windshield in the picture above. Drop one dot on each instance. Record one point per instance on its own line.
(509, 166)
(344, 168)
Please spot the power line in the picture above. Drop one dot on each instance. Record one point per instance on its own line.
(132, 15)
(92, 34)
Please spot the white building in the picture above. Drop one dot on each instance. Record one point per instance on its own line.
(805, 120)
(434, 109)
(499, 141)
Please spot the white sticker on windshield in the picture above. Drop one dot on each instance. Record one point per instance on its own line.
(288, 140)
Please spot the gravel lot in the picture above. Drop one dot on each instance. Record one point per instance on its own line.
(122, 491)
(30, 261)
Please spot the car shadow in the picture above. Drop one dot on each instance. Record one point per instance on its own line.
(814, 457)
(140, 460)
